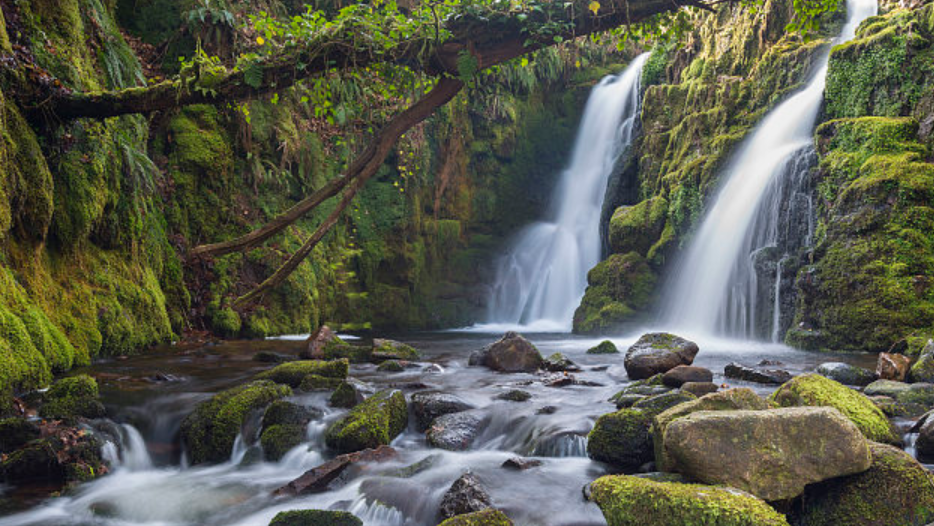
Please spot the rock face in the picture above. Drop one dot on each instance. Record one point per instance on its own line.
(772, 454)
(846, 374)
(465, 496)
(73, 397)
(510, 354)
(375, 422)
(815, 390)
(637, 501)
(489, 517)
(456, 431)
(683, 374)
(622, 439)
(892, 366)
(894, 491)
(318, 479)
(759, 375)
(428, 406)
(923, 369)
(315, 518)
(658, 353)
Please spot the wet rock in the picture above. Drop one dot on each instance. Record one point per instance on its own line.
(391, 366)
(319, 342)
(919, 394)
(892, 366)
(683, 374)
(892, 408)
(622, 439)
(314, 382)
(208, 433)
(658, 353)
(604, 347)
(636, 501)
(345, 395)
(376, 421)
(757, 375)
(521, 464)
(433, 369)
(294, 374)
(392, 350)
(284, 426)
(414, 469)
(923, 369)
(456, 431)
(320, 478)
(270, 357)
(515, 395)
(559, 380)
(511, 354)
(428, 406)
(547, 410)
(925, 442)
(558, 362)
(816, 390)
(846, 374)
(772, 454)
(15, 432)
(700, 388)
(488, 517)
(73, 397)
(466, 495)
(894, 491)
(628, 400)
(65, 455)
(315, 518)
(659, 403)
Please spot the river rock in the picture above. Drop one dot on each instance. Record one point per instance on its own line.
(683, 374)
(428, 406)
(772, 454)
(346, 395)
(658, 353)
(816, 390)
(894, 491)
(294, 374)
(659, 403)
(318, 479)
(376, 421)
(456, 431)
(923, 369)
(391, 366)
(846, 374)
(515, 395)
(558, 362)
(284, 428)
(73, 397)
(604, 347)
(466, 495)
(392, 350)
(510, 354)
(488, 517)
(925, 443)
(622, 439)
(316, 344)
(892, 366)
(315, 518)
(700, 388)
(759, 375)
(521, 464)
(637, 501)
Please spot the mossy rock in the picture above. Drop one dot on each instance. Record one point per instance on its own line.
(375, 422)
(622, 439)
(635, 501)
(293, 373)
(278, 439)
(210, 430)
(337, 349)
(619, 288)
(816, 390)
(315, 518)
(284, 412)
(393, 350)
(636, 228)
(73, 397)
(390, 366)
(344, 395)
(314, 382)
(604, 347)
(659, 403)
(489, 517)
(895, 491)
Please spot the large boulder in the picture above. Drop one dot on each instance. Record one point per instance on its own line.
(375, 422)
(510, 354)
(208, 433)
(315, 518)
(317, 344)
(638, 501)
(894, 491)
(294, 374)
(428, 406)
(892, 366)
(656, 353)
(816, 390)
(772, 454)
(73, 397)
(466, 495)
(622, 439)
(488, 517)
(846, 374)
(759, 375)
(923, 369)
(683, 374)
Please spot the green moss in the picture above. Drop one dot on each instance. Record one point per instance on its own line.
(395, 350)
(344, 395)
(636, 228)
(376, 421)
(390, 366)
(293, 373)
(634, 501)
(604, 347)
(816, 390)
(315, 518)
(618, 288)
(622, 438)
(488, 517)
(277, 440)
(73, 397)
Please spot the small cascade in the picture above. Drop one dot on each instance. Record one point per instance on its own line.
(730, 280)
(542, 278)
(240, 447)
(127, 449)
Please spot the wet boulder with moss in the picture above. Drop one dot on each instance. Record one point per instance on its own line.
(490, 517)
(923, 369)
(283, 427)
(619, 288)
(294, 374)
(73, 397)
(658, 352)
(510, 354)
(315, 518)
(604, 347)
(392, 350)
(375, 422)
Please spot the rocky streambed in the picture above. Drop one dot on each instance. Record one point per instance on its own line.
(447, 427)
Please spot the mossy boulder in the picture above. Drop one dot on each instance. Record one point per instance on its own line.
(73, 397)
(293, 373)
(656, 353)
(604, 347)
(923, 369)
(816, 390)
(315, 518)
(659, 403)
(636, 228)
(392, 350)
(846, 374)
(67, 455)
(895, 491)
(376, 421)
(772, 454)
(622, 439)
(345, 395)
(283, 428)
(390, 366)
(618, 289)
(488, 517)
(636, 501)
(210, 430)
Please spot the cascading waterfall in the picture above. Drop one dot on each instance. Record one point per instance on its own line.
(542, 278)
(747, 231)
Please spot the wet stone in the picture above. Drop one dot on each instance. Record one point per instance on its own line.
(466, 495)
(429, 406)
(515, 395)
(522, 464)
(757, 375)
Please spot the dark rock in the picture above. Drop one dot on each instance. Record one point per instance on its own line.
(622, 439)
(375, 422)
(488, 517)
(15, 432)
(892, 366)
(414, 469)
(315, 518)
(515, 395)
(604, 347)
(345, 395)
(769, 363)
(521, 464)
(683, 374)
(925, 443)
(558, 362)
(270, 357)
(391, 366)
(65, 455)
(318, 479)
(511, 354)
(456, 431)
(547, 410)
(658, 353)
(700, 388)
(892, 408)
(282, 412)
(428, 406)
(559, 380)
(465, 496)
(846, 374)
(628, 400)
(757, 375)
(284, 428)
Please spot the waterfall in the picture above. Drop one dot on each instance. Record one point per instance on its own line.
(542, 278)
(716, 287)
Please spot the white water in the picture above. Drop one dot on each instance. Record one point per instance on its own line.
(713, 290)
(542, 278)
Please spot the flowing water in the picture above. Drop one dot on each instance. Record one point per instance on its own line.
(542, 278)
(715, 287)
